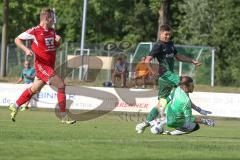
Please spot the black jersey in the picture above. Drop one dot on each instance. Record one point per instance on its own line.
(165, 53)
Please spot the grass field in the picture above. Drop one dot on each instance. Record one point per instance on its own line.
(38, 135)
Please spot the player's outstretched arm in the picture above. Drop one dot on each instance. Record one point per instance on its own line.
(200, 110)
(183, 58)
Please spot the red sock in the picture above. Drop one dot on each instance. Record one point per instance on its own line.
(26, 96)
(61, 99)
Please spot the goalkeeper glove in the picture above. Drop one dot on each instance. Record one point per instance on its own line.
(203, 112)
(208, 122)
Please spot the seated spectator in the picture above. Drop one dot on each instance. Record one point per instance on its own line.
(27, 77)
(120, 70)
(28, 74)
(141, 72)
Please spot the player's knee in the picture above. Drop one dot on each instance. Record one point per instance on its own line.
(161, 103)
(61, 85)
(35, 90)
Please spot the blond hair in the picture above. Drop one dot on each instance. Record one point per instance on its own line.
(45, 12)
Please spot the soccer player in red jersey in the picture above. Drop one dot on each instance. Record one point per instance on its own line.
(44, 44)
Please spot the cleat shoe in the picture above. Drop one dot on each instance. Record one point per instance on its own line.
(14, 110)
(67, 120)
(167, 133)
(141, 127)
(13, 116)
(24, 108)
(177, 132)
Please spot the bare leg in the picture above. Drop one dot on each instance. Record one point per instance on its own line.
(143, 81)
(113, 78)
(123, 79)
(135, 80)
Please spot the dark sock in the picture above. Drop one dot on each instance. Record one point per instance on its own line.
(152, 115)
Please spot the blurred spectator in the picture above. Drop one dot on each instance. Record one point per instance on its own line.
(28, 74)
(120, 70)
(141, 72)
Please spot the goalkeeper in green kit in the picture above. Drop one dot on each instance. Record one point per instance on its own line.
(179, 110)
(165, 52)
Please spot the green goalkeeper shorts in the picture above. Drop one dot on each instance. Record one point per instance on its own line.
(166, 83)
(174, 122)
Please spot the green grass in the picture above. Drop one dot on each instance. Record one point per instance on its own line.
(38, 135)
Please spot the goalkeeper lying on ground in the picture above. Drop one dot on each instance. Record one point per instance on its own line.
(179, 110)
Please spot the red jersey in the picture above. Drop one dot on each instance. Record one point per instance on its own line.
(43, 44)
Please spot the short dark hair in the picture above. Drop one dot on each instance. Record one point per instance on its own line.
(119, 58)
(185, 80)
(165, 27)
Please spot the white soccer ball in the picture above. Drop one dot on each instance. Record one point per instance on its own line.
(156, 127)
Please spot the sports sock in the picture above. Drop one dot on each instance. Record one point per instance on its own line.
(61, 99)
(26, 96)
(152, 115)
(16, 104)
(163, 103)
(63, 114)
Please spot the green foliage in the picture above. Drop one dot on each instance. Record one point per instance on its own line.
(23, 15)
(1, 15)
(213, 23)
(227, 37)
(69, 18)
(197, 22)
(155, 5)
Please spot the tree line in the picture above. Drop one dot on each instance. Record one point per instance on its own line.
(194, 22)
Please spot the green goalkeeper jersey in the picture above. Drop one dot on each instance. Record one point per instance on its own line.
(179, 110)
